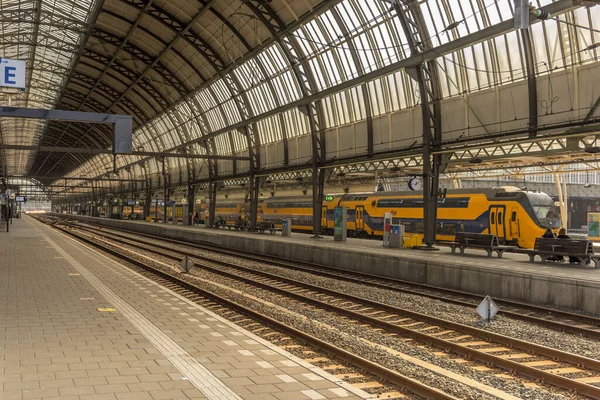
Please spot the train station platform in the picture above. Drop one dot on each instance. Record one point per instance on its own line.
(75, 325)
(511, 277)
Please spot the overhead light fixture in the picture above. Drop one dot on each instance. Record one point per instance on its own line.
(592, 149)
(475, 160)
(395, 168)
(587, 185)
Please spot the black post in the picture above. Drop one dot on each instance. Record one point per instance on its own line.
(148, 202)
(190, 204)
(254, 191)
(212, 202)
(318, 187)
(164, 191)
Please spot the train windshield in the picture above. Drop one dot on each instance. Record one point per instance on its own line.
(545, 210)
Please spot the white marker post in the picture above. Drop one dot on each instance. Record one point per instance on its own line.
(487, 309)
(186, 264)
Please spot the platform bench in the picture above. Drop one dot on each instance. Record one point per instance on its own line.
(484, 241)
(262, 227)
(241, 225)
(583, 250)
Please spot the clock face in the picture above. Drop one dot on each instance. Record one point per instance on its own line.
(415, 184)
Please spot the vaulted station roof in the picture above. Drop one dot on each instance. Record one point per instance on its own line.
(193, 73)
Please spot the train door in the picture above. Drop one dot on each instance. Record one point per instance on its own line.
(324, 217)
(359, 224)
(497, 222)
(513, 225)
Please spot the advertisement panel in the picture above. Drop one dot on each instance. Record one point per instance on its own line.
(339, 223)
(594, 226)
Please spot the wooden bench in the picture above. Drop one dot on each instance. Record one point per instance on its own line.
(484, 241)
(582, 250)
(241, 225)
(267, 226)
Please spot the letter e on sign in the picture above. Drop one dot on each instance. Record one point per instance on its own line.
(12, 73)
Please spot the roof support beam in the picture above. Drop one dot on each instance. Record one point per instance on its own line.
(84, 150)
(412, 61)
(75, 178)
(531, 81)
(426, 75)
(313, 110)
(555, 8)
(61, 115)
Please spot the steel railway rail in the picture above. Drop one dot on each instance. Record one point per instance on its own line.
(564, 321)
(443, 334)
(375, 369)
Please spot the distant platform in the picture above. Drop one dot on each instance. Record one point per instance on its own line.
(75, 325)
(511, 277)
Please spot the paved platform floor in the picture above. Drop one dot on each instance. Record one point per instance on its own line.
(75, 325)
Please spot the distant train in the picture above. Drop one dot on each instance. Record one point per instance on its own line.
(515, 216)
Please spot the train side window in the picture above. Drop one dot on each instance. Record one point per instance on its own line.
(462, 227)
(513, 217)
(419, 227)
(408, 227)
(449, 229)
(499, 218)
(493, 218)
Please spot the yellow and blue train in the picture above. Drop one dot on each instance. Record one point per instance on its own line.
(515, 216)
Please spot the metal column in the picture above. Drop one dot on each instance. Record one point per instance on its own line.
(164, 174)
(255, 183)
(212, 202)
(190, 204)
(425, 74)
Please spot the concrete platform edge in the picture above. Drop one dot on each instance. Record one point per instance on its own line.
(527, 287)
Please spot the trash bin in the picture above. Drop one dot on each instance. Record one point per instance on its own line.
(410, 241)
(286, 227)
(396, 235)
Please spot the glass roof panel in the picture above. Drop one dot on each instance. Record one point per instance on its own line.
(355, 37)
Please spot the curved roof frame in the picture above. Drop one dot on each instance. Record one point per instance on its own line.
(456, 68)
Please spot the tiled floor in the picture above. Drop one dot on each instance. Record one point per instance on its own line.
(60, 338)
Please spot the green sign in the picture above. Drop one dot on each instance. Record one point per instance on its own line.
(328, 198)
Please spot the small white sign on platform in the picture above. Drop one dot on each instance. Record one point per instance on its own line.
(487, 309)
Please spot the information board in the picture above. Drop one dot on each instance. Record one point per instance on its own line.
(21, 199)
(387, 221)
(12, 73)
(339, 223)
(594, 226)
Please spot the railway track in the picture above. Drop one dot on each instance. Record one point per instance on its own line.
(564, 321)
(565, 370)
(249, 319)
